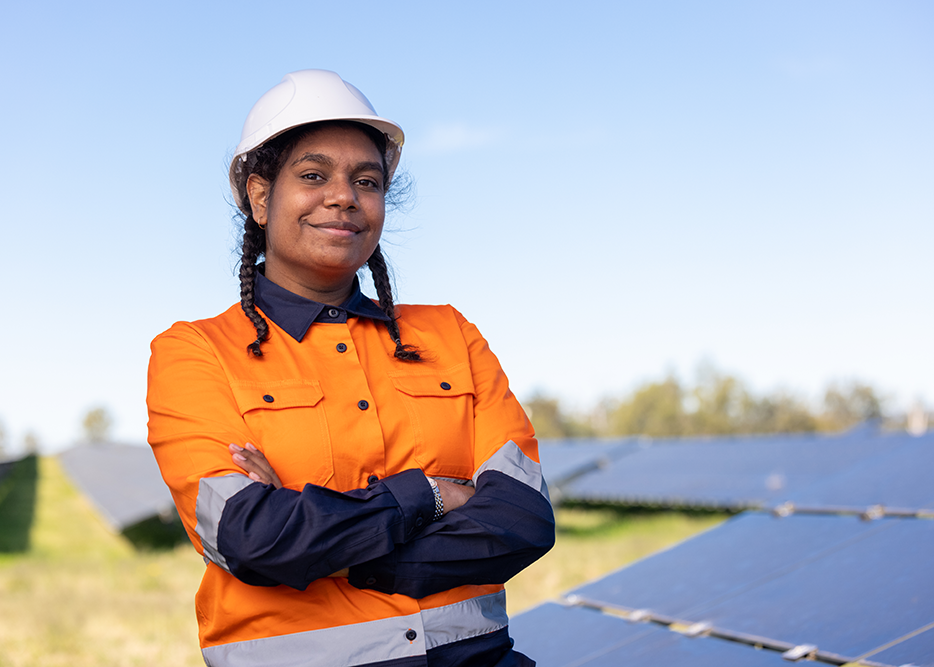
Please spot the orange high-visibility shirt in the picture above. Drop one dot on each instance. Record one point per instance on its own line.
(349, 429)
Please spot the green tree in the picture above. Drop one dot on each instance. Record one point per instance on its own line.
(718, 404)
(850, 404)
(655, 409)
(30, 443)
(550, 420)
(779, 413)
(97, 423)
(721, 404)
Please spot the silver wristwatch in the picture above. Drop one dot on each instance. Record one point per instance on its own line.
(439, 501)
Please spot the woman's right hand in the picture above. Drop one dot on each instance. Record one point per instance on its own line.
(454, 495)
(254, 463)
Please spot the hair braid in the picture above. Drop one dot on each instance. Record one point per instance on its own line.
(377, 264)
(254, 244)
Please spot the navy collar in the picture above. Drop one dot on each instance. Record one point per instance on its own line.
(295, 314)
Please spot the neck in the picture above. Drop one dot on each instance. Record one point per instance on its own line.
(330, 293)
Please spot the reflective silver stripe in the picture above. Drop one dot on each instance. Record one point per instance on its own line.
(213, 493)
(512, 461)
(463, 620)
(341, 646)
(363, 643)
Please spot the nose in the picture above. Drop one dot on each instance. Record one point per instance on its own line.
(341, 194)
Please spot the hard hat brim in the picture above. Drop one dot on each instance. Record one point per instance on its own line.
(304, 98)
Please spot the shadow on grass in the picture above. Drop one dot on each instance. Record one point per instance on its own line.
(18, 504)
(157, 533)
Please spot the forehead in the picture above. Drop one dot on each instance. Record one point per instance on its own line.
(338, 143)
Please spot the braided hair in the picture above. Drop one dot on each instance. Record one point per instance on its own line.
(267, 161)
(380, 273)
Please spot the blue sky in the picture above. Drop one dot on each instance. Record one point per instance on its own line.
(610, 190)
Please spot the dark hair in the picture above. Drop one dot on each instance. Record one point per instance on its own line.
(267, 161)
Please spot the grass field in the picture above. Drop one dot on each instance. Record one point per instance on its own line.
(74, 594)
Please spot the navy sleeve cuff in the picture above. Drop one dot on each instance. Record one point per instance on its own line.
(415, 498)
(502, 529)
(416, 501)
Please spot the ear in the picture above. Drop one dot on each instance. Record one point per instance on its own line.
(257, 189)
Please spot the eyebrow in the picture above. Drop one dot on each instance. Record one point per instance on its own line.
(313, 157)
(320, 158)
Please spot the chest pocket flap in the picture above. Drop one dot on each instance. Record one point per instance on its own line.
(275, 395)
(454, 381)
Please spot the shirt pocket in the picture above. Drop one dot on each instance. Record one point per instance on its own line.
(440, 405)
(288, 420)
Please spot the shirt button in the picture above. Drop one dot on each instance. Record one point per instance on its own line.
(411, 635)
(334, 312)
(341, 347)
(372, 479)
(419, 522)
(370, 581)
(363, 405)
(268, 398)
(445, 386)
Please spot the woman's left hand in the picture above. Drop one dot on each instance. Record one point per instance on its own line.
(254, 463)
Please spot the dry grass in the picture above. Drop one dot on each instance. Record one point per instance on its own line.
(83, 597)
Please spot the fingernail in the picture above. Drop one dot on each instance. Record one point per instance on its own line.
(234, 448)
(251, 447)
(239, 457)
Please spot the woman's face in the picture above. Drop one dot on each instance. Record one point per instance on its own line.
(324, 213)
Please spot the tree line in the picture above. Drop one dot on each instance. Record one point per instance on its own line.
(716, 404)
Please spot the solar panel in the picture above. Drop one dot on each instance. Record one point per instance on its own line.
(739, 554)
(123, 481)
(832, 587)
(727, 472)
(563, 460)
(899, 477)
(917, 649)
(670, 649)
(844, 585)
(847, 601)
(552, 634)
(558, 636)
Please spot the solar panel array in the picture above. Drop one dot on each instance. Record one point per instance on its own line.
(840, 571)
(122, 481)
(849, 471)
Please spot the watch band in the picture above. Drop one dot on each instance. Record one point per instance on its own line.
(439, 501)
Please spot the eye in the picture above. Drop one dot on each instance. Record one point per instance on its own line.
(312, 176)
(368, 183)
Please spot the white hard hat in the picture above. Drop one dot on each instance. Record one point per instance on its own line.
(310, 96)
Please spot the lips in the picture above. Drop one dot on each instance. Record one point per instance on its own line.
(342, 226)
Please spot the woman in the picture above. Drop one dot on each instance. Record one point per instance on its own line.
(358, 477)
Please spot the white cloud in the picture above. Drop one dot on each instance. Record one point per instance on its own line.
(456, 137)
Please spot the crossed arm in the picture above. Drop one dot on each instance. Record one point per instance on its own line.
(497, 530)
(254, 463)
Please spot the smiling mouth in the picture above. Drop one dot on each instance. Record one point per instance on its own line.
(346, 227)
